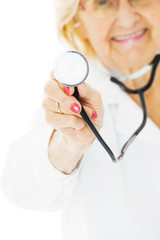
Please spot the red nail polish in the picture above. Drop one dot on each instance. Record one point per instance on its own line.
(66, 90)
(75, 108)
(94, 115)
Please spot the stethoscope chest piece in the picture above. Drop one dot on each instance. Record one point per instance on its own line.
(71, 68)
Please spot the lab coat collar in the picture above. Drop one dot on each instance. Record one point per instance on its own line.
(130, 115)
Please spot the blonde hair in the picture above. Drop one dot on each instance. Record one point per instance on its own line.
(66, 25)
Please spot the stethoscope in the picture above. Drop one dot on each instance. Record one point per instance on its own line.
(71, 69)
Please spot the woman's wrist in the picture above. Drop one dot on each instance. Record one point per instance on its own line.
(64, 156)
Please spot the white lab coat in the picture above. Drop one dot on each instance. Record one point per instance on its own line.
(99, 199)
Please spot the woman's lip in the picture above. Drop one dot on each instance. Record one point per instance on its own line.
(130, 37)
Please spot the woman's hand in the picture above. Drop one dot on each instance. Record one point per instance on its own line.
(63, 114)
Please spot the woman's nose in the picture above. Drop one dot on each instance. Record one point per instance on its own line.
(127, 15)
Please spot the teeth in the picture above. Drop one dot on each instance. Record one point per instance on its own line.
(129, 36)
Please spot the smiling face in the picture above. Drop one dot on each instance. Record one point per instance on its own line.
(127, 39)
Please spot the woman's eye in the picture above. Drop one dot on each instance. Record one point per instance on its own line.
(101, 2)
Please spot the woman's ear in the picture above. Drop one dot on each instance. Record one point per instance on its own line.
(79, 25)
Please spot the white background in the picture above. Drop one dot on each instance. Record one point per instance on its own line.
(28, 47)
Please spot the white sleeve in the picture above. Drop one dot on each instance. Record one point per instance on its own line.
(29, 180)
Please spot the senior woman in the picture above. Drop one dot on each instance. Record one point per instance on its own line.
(66, 167)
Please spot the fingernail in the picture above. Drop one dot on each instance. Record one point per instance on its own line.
(66, 90)
(94, 115)
(75, 108)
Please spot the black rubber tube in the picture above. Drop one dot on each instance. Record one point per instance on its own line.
(92, 127)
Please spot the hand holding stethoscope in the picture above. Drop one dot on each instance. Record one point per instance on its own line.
(71, 69)
(62, 112)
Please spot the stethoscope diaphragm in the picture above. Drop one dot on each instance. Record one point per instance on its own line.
(71, 68)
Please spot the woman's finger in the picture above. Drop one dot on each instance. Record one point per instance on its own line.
(54, 92)
(58, 120)
(68, 90)
(51, 105)
(89, 95)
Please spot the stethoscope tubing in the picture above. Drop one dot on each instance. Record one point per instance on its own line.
(140, 92)
(147, 86)
(93, 128)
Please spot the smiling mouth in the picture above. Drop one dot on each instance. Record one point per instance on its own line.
(130, 36)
